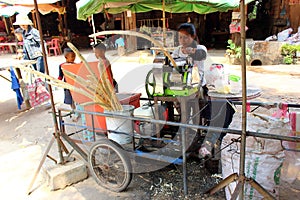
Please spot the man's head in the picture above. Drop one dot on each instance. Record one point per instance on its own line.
(99, 50)
(69, 55)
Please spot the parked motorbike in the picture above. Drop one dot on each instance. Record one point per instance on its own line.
(107, 41)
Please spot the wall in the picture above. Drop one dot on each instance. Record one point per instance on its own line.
(268, 53)
(288, 10)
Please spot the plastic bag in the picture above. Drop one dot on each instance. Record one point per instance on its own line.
(263, 156)
(37, 92)
(283, 35)
(214, 73)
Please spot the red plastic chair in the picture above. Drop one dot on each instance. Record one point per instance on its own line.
(4, 49)
(55, 47)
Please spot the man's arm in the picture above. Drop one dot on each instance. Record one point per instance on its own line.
(36, 35)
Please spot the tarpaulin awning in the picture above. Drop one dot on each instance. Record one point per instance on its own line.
(47, 8)
(86, 8)
(8, 11)
(27, 2)
(11, 7)
(44, 9)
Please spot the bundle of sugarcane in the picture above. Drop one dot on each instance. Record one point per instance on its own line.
(99, 87)
(96, 88)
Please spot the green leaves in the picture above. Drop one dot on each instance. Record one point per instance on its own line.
(289, 52)
(237, 50)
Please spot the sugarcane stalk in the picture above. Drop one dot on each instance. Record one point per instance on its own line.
(98, 89)
(108, 88)
(91, 84)
(53, 81)
(104, 88)
(134, 33)
(78, 54)
(114, 99)
(86, 85)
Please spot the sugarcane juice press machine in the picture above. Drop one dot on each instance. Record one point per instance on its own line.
(174, 81)
(171, 85)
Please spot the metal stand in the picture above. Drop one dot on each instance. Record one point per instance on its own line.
(185, 110)
(61, 148)
(241, 178)
(56, 135)
(40, 165)
(241, 181)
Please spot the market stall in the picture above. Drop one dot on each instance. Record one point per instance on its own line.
(106, 169)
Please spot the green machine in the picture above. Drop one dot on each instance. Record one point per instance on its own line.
(166, 80)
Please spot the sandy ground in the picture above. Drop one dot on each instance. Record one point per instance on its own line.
(25, 134)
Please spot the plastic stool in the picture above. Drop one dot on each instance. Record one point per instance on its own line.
(55, 47)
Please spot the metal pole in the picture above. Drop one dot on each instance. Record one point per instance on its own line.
(184, 161)
(244, 99)
(40, 165)
(164, 22)
(65, 29)
(94, 29)
(49, 86)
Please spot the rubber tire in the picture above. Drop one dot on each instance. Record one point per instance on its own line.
(101, 180)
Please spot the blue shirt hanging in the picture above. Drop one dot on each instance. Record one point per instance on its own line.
(16, 87)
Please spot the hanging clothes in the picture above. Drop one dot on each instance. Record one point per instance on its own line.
(15, 86)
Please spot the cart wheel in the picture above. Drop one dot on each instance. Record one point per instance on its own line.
(109, 165)
(150, 84)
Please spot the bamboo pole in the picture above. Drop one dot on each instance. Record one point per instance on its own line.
(39, 25)
(244, 97)
(66, 34)
(60, 21)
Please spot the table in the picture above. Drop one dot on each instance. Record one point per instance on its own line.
(251, 94)
(10, 45)
(17, 63)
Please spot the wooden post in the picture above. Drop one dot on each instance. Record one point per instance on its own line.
(6, 26)
(244, 100)
(62, 21)
(34, 18)
(130, 24)
(57, 134)
(19, 76)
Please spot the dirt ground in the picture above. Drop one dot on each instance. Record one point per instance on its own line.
(25, 135)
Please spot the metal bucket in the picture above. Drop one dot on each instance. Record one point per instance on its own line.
(120, 125)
